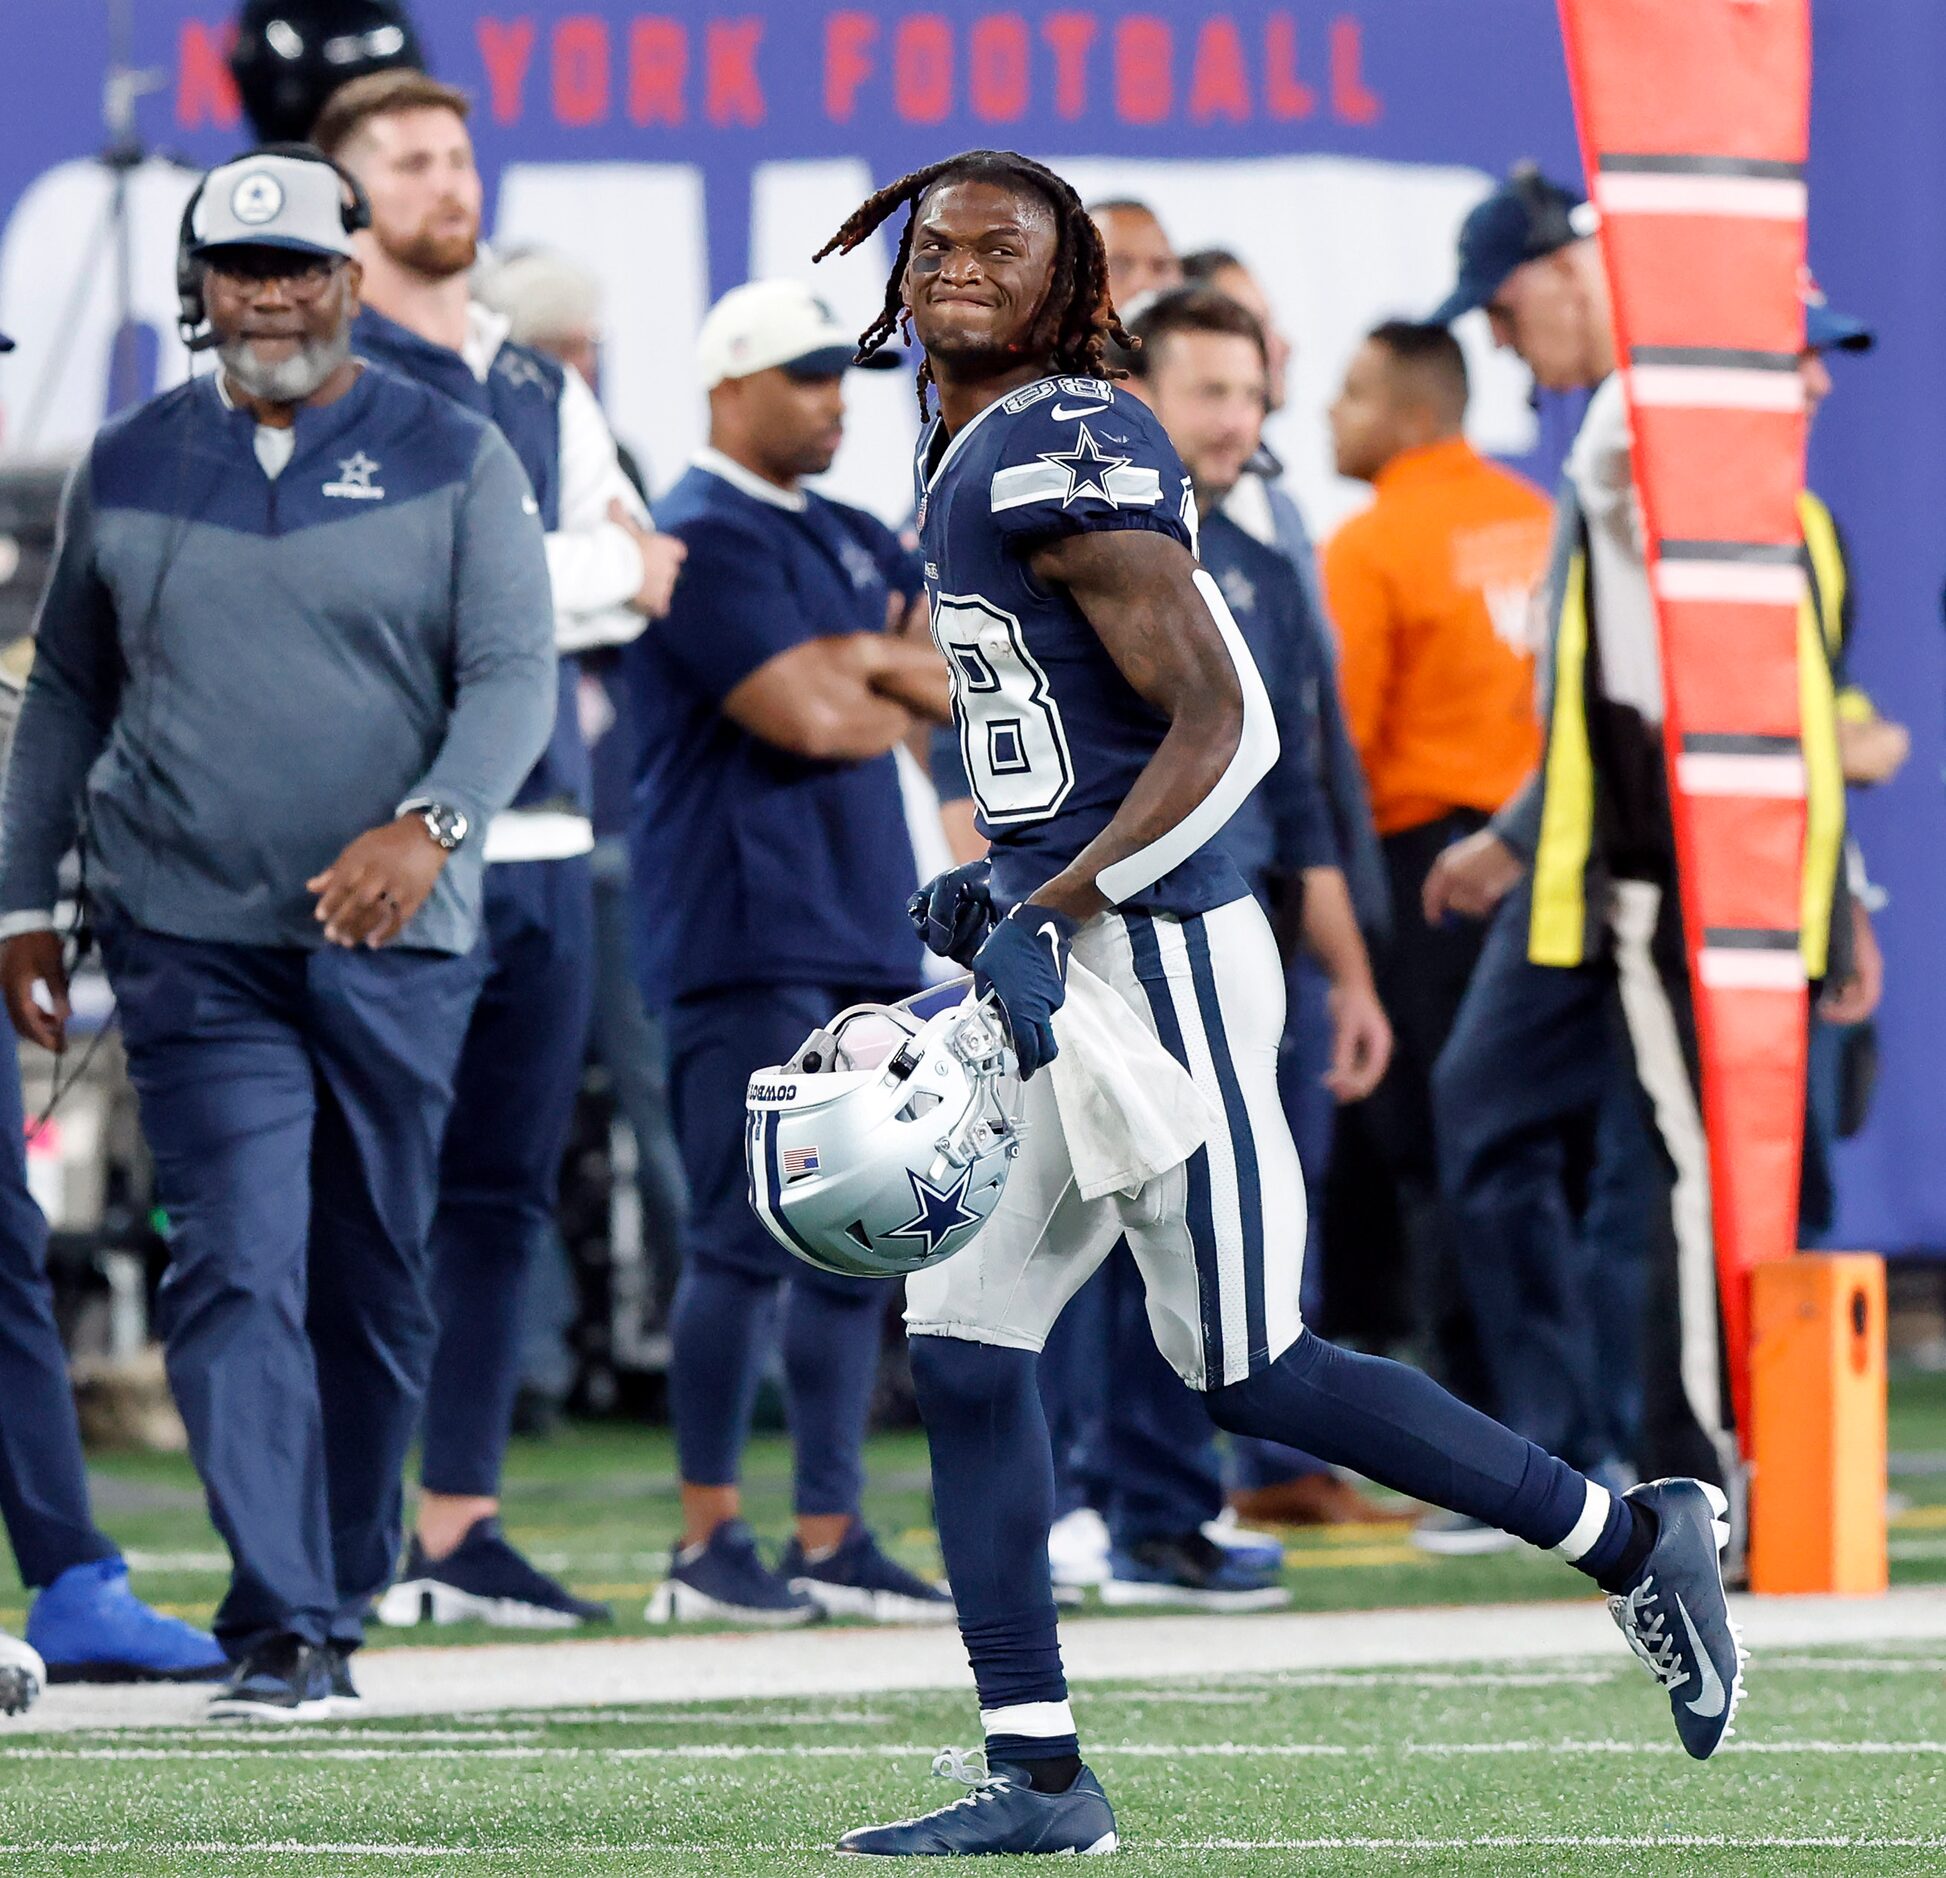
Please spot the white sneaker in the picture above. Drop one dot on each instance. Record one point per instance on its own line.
(1077, 1549)
(22, 1675)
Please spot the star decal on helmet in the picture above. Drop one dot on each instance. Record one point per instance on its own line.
(1088, 468)
(942, 1211)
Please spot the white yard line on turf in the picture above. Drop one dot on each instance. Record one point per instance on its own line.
(583, 1674)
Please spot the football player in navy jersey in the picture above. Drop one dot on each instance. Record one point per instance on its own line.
(1111, 721)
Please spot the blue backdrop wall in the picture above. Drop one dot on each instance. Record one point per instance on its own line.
(679, 148)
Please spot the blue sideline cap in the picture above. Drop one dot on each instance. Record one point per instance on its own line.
(270, 201)
(1826, 329)
(1527, 217)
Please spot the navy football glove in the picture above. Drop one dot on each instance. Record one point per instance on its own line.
(953, 912)
(1023, 965)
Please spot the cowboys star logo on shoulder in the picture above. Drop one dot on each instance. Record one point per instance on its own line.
(354, 479)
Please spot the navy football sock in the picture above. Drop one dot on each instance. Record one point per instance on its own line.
(831, 1344)
(719, 1334)
(1401, 1429)
(993, 1496)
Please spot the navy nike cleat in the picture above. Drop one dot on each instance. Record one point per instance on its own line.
(1676, 1617)
(483, 1580)
(724, 1580)
(999, 1812)
(22, 1675)
(284, 1680)
(858, 1579)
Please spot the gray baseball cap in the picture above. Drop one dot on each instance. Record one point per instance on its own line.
(272, 201)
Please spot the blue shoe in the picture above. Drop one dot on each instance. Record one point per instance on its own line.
(859, 1580)
(1676, 1618)
(483, 1580)
(284, 1680)
(22, 1675)
(1259, 1551)
(1191, 1572)
(90, 1627)
(723, 1580)
(999, 1812)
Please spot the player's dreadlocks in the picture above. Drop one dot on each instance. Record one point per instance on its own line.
(1077, 320)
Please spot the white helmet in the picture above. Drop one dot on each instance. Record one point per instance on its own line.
(883, 1144)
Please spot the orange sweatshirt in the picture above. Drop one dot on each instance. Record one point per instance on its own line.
(1431, 592)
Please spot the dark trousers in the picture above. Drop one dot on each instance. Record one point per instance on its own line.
(1526, 1082)
(43, 1487)
(740, 1293)
(499, 1170)
(294, 1103)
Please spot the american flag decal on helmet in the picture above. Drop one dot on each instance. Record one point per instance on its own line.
(800, 1161)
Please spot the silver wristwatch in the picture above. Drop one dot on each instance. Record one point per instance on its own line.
(446, 825)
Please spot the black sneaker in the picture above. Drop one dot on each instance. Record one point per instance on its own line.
(1675, 1616)
(1191, 1571)
(859, 1579)
(483, 1580)
(284, 1680)
(345, 1698)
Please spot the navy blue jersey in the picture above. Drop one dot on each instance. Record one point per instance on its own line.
(753, 865)
(1052, 735)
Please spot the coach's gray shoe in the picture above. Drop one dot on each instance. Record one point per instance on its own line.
(22, 1675)
(998, 1812)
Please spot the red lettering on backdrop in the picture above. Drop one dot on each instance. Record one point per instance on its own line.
(658, 62)
(733, 93)
(1068, 36)
(1216, 84)
(922, 68)
(581, 69)
(506, 47)
(1144, 48)
(1286, 96)
(847, 61)
(205, 91)
(998, 51)
(1349, 98)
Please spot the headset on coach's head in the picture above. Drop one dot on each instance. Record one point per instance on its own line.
(192, 314)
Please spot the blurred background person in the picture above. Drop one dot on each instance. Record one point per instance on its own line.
(1431, 591)
(405, 137)
(554, 305)
(1141, 258)
(772, 867)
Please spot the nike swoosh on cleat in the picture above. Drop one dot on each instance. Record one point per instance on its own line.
(1061, 412)
(1709, 1702)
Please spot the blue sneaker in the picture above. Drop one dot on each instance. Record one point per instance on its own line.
(346, 1698)
(22, 1675)
(1260, 1551)
(999, 1812)
(1191, 1572)
(483, 1580)
(90, 1627)
(723, 1580)
(284, 1680)
(1676, 1618)
(859, 1580)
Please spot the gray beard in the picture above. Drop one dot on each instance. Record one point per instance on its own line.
(291, 380)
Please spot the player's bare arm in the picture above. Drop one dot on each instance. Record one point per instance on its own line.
(1136, 590)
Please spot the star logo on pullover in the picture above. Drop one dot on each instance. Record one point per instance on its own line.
(354, 483)
(1088, 467)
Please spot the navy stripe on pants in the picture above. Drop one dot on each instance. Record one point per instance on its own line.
(294, 1103)
(43, 1485)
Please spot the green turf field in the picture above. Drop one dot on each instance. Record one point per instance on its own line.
(1569, 1767)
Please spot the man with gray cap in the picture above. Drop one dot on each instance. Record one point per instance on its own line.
(1583, 981)
(772, 868)
(295, 652)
